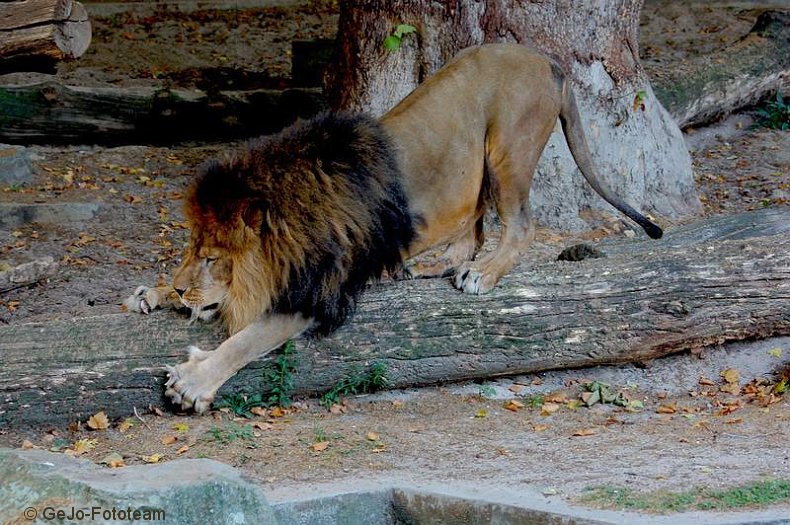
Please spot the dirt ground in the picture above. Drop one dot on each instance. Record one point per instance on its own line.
(696, 428)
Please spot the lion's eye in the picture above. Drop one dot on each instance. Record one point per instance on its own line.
(210, 260)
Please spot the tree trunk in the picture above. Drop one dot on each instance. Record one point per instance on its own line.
(55, 29)
(726, 279)
(637, 146)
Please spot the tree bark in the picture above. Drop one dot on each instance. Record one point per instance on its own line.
(56, 29)
(702, 89)
(639, 150)
(721, 280)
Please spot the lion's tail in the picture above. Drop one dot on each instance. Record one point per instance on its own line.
(574, 134)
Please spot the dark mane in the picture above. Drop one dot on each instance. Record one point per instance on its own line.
(326, 197)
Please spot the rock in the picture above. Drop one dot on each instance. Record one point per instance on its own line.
(39, 484)
(15, 167)
(27, 273)
(579, 252)
(13, 215)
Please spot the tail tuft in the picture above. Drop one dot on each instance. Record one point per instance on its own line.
(652, 230)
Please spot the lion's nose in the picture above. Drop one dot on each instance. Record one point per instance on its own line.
(180, 291)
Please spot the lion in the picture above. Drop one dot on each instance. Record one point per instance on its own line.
(285, 236)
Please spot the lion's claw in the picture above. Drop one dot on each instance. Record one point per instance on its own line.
(471, 280)
(189, 384)
(141, 301)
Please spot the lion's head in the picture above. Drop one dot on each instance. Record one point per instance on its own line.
(223, 266)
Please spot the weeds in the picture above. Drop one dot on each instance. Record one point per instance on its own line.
(230, 432)
(240, 404)
(755, 494)
(281, 378)
(357, 383)
(775, 114)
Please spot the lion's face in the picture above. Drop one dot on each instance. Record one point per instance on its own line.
(204, 278)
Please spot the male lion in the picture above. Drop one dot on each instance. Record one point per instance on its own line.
(285, 235)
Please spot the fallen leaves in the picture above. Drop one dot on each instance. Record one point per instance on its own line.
(319, 446)
(99, 421)
(513, 405)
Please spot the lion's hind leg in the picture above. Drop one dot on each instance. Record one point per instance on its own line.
(511, 172)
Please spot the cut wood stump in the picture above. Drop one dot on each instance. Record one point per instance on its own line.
(699, 90)
(725, 279)
(54, 29)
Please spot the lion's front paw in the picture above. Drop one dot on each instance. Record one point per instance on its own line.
(191, 384)
(471, 280)
(143, 300)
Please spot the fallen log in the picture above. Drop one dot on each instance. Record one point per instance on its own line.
(50, 112)
(54, 29)
(725, 279)
(701, 89)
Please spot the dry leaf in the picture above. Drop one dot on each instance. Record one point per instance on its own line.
(585, 432)
(27, 444)
(514, 405)
(156, 411)
(169, 440)
(182, 449)
(516, 388)
(556, 397)
(181, 427)
(734, 421)
(320, 446)
(113, 460)
(82, 446)
(730, 388)
(260, 425)
(705, 381)
(126, 424)
(258, 411)
(549, 408)
(539, 428)
(775, 352)
(372, 436)
(277, 412)
(667, 409)
(98, 421)
(731, 375)
(481, 413)
(153, 458)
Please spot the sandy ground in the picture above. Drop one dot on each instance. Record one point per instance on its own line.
(689, 433)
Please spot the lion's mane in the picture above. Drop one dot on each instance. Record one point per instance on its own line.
(308, 216)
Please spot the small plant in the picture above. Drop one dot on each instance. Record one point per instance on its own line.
(775, 114)
(394, 41)
(240, 404)
(534, 401)
(357, 383)
(319, 435)
(230, 433)
(486, 391)
(281, 378)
